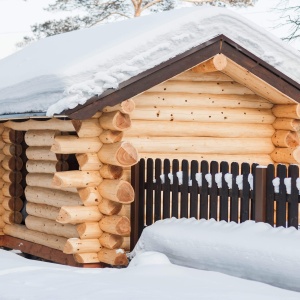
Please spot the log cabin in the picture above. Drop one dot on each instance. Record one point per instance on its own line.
(75, 120)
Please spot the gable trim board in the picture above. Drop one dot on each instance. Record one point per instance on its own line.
(219, 45)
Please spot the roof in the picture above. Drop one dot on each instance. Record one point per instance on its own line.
(80, 72)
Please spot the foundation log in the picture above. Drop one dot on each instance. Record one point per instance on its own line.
(110, 136)
(90, 196)
(89, 230)
(118, 225)
(12, 204)
(78, 214)
(125, 107)
(40, 137)
(119, 154)
(285, 138)
(12, 217)
(12, 163)
(111, 241)
(86, 258)
(11, 136)
(75, 245)
(42, 166)
(88, 161)
(115, 121)
(108, 207)
(287, 124)
(113, 257)
(286, 155)
(73, 144)
(42, 211)
(87, 128)
(287, 111)
(12, 176)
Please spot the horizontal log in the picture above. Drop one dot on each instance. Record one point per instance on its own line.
(42, 211)
(118, 225)
(12, 217)
(285, 138)
(11, 136)
(287, 124)
(2, 144)
(52, 124)
(111, 172)
(43, 166)
(21, 232)
(287, 111)
(78, 179)
(197, 129)
(89, 230)
(12, 190)
(2, 171)
(12, 150)
(2, 210)
(73, 144)
(51, 197)
(126, 243)
(87, 128)
(12, 176)
(214, 64)
(45, 181)
(117, 190)
(113, 257)
(12, 204)
(86, 258)
(186, 99)
(51, 227)
(90, 196)
(110, 136)
(12, 163)
(76, 245)
(40, 137)
(194, 75)
(119, 154)
(2, 224)
(125, 211)
(88, 161)
(44, 153)
(111, 241)
(115, 121)
(125, 107)
(126, 175)
(208, 115)
(78, 214)
(204, 145)
(286, 155)
(108, 207)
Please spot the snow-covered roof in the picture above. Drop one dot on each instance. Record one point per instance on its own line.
(63, 71)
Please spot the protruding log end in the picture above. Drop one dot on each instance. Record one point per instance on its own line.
(111, 136)
(127, 155)
(86, 258)
(76, 245)
(113, 257)
(111, 241)
(111, 172)
(286, 155)
(109, 208)
(285, 138)
(89, 230)
(118, 225)
(115, 120)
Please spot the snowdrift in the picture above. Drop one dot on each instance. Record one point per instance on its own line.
(249, 250)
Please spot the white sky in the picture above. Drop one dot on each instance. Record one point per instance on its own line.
(16, 16)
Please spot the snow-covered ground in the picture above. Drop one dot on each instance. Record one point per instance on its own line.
(152, 276)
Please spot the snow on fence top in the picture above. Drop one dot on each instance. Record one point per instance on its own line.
(63, 71)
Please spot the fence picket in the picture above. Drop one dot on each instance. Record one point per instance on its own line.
(149, 192)
(175, 188)
(166, 190)
(204, 191)
(244, 214)
(281, 197)
(293, 207)
(184, 189)
(194, 210)
(234, 199)
(270, 195)
(157, 190)
(252, 194)
(224, 168)
(213, 207)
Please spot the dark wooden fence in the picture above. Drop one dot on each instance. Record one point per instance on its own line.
(159, 197)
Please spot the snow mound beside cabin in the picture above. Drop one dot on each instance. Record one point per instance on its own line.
(250, 250)
(63, 71)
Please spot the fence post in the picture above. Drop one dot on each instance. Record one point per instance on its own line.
(260, 194)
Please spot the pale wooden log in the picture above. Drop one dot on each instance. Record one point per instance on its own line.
(21, 232)
(125, 107)
(2, 171)
(206, 145)
(111, 241)
(193, 75)
(110, 136)
(214, 64)
(2, 209)
(115, 121)
(287, 124)
(108, 207)
(12, 149)
(2, 155)
(285, 138)
(86, 258)
(89, 230)
(11, 136)
(87, 128)
(51, 227)
(287, 111)
(12, 217)
(88, 161)
(45, 181)
(2, 144)
(42, 211)
(52, 124)
(12, 204)
(12, 163)
(113, 257)
(262, 158)
(97, 115)
(90, 196)
(43, 166)
(120, 154)
(2, 127)
(12, 176)
(207, 115)
(12, 189)
(44, 153)
(286, 155)
(213, 87)
(2, 224)
(2, 183)
(118, 225)
(125, 211)
(78, 179)
(73, 144)
(126, 175)
(76, 245)
(2, 197)
(117, 190)
(126, 243)
(197, 129)
(51, 197)
(78, 214)
(40, 137)
(111, 172)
